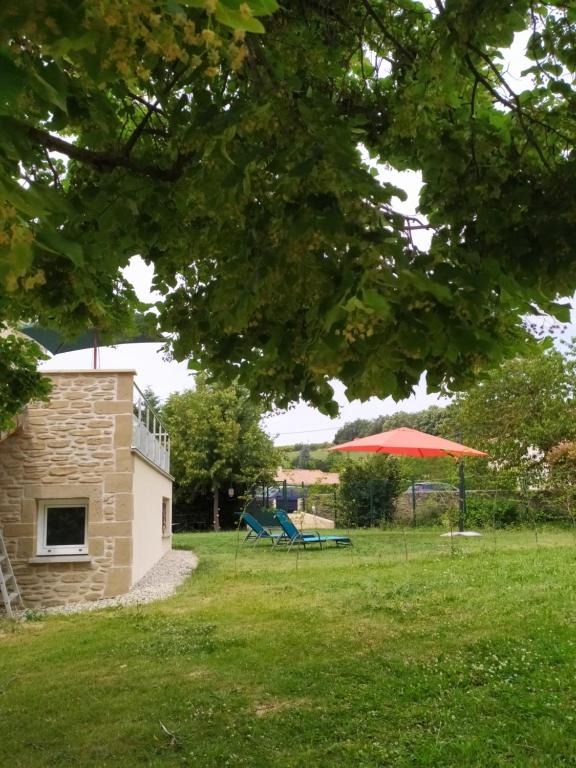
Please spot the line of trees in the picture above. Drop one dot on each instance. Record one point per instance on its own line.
(522, 413)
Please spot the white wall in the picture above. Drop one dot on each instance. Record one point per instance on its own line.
(150, 487)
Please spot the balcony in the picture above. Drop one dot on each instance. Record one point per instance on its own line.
(149, 435)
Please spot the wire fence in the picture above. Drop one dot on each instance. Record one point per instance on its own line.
(440, 503)
(529, 503)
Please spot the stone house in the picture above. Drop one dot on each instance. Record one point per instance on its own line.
(85, 490)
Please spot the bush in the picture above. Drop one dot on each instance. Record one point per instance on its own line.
(486, 512)
(434, 508)
(522, 509)
(368, 491)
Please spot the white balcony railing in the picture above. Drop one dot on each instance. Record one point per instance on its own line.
(149, 435)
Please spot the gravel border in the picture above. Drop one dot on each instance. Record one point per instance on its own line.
(160, 582)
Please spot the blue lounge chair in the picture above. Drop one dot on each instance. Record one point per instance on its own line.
(293, 536)
(257, 531)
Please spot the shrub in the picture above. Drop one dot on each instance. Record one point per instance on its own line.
(533, 507)
(368, 491)
(434, 508)
(486, 512)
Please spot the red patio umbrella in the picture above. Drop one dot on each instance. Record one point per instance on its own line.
(411, 442)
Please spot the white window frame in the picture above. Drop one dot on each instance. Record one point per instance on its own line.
(64, 549)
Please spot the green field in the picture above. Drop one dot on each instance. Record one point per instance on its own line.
(316, 454)
(404, 651)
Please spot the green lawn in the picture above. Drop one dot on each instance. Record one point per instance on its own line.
(458, 655)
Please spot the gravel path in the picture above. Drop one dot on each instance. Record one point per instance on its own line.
(159, 583)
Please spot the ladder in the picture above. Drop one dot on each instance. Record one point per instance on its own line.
(9, 591)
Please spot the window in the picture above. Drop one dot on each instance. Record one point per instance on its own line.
(166, 527)
(63, 527)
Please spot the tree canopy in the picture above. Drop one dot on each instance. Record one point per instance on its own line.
(227, 142)
(20, 380)
(216, 439)
(521, 411)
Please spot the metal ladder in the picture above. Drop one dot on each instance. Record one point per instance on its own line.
(9, 591)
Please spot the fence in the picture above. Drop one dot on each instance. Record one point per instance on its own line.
(317, 500)
(488, 508)
(149, 435)
(552, 502)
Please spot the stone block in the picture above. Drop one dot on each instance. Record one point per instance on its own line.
(113, 406)
(73, 578)
(18, 530)
(95, 507)
(124, 386)
(119, 581)
(99, 423)
(118, 482)
(123, 552)
(124, 460)
(101, 530)
(78, 395)
(99, 441)
(61, 471)
(124, 507)
(61, 443)
(25, 548)
(65, 589)
(96, 547)
(123, 431)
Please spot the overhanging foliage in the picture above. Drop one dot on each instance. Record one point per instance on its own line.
(232, 161)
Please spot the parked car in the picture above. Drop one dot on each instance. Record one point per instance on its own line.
(422, 488)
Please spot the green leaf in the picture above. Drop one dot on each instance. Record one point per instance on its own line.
(560, 311)
(257, 7)
(13, 80)
(376, 301)
(54, 242)
(236, 20)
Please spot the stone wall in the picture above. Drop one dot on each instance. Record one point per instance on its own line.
(76, 447)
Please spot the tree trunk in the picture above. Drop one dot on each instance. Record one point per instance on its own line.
(215, 510)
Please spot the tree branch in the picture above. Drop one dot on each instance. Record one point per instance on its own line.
(151, 109)
(382, 27)
(103, 161)
(512, 105)
(53, 169)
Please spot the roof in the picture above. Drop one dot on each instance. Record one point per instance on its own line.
(307, 477)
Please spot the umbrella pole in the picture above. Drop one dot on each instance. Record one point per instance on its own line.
(413, 503)
(461, 495)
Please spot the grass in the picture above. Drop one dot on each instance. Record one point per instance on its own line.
(316, 454)
(404, 651)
